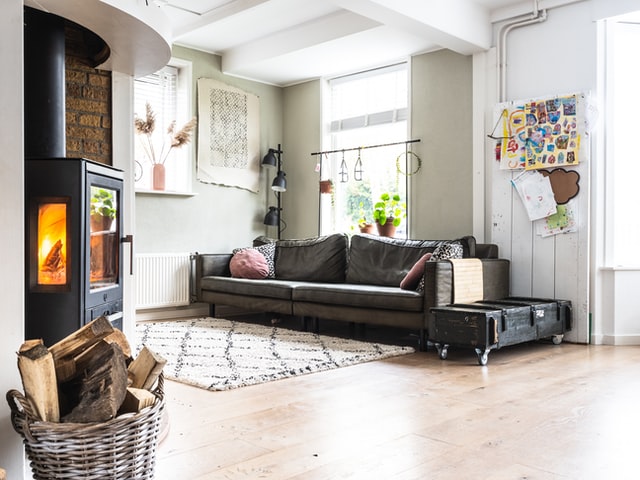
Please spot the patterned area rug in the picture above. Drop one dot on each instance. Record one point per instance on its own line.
(219, 354)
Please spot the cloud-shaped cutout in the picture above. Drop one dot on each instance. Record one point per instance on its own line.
(564, 184)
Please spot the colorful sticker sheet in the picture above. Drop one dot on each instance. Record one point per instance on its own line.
(540, 134)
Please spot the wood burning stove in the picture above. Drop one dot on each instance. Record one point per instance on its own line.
(73, 261)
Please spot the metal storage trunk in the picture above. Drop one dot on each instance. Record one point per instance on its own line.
(517, 325)
(466, 326)
(552, 316)
(492, 324)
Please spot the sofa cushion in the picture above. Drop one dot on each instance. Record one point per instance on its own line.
(248, 263)
(251, 287)
(386, 261)
(318, 259)
(447, 251)
(359, 296)
(413, 278)
(268, 250)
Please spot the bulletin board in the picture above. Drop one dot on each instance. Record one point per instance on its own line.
(540, 133)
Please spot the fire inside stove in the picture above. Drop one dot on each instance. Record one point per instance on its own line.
(52, 244)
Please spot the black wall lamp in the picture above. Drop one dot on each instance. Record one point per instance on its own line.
(273, 218)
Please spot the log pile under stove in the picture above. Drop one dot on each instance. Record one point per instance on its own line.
(88, 376)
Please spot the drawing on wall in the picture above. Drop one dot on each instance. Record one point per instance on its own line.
(228, 136)
(563, 221)
(542, 133)
(536, 194)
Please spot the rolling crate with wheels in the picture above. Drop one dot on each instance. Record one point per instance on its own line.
(466, 326)
(552, 316)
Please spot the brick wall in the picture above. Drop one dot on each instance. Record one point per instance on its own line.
(88, 103)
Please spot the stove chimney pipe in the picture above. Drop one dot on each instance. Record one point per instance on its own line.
(44, 84)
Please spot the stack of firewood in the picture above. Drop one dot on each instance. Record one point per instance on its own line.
(89, 376)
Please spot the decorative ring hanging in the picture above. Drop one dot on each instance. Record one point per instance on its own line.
(408, 174)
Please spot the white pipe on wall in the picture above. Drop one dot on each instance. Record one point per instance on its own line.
(537, 16)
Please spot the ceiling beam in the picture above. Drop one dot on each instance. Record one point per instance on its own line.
(217, 14)
(306, 35)
(459, 25)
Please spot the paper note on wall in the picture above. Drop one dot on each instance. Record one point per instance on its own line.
(536, 194)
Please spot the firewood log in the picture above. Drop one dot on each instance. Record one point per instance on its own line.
(38, 373)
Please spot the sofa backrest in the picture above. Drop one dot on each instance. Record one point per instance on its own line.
(386, 261)
(317, 259)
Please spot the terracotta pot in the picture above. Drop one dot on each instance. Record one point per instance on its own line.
(367, 228)
(386, 230)
(100, 223)
(158, 172)
(326, 186)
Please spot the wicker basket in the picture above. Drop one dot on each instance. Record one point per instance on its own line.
(121, 448)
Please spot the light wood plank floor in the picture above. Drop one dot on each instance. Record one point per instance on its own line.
(536, 411)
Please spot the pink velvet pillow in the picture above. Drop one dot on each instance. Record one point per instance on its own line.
(412, 279)
(249, 263)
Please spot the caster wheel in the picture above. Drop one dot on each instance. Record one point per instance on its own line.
(483, 357)
(443, 353)
(557, 339)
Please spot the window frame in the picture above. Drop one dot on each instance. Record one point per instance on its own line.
(185, 154)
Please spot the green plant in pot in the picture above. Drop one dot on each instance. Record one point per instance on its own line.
(363, 223)
(388, 213)
(102, 210)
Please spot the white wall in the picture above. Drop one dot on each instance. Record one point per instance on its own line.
(12, 221)
(216, 218)
(555, 57)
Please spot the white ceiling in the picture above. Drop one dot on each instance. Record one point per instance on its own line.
(283, 42)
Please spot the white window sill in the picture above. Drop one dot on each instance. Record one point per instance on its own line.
(165, 192)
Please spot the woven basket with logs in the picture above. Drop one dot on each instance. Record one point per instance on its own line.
(89, 410)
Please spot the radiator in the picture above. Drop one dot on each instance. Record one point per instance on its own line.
(162, 280)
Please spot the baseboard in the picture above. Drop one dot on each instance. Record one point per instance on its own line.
(193, 310)
(618, 340)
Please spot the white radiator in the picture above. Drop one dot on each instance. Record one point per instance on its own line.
(162, 280)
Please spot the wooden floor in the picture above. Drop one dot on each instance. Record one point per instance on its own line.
(536, 411)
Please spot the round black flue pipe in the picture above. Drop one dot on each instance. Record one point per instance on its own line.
(44, 85)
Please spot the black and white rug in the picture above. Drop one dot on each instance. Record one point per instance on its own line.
(219, 354)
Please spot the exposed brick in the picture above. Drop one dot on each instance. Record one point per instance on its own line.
(87, 133)
(91, 147)
(90, 120)
(95, 93)
(88, 102)
(74, 145)
(75, 76)
(99, 80)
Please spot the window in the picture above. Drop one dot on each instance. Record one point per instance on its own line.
(364, 109)
(624, 99)
(167, 92)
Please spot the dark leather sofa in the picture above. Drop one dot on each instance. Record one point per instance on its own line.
(352, 280)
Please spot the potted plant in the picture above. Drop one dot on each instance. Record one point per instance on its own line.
(326, 186)
(364, 225)
(388, 213)
(102, 210)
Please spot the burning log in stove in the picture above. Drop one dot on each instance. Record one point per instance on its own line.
(54, 261)
(87, 376)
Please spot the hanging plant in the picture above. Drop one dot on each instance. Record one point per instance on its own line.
(326, 186)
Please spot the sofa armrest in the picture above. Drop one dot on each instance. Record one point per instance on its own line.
(210, 264)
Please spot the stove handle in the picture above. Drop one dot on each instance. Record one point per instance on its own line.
(129, 239)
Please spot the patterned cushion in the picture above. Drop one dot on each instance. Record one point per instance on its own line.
(269, 251)
(447, 251)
